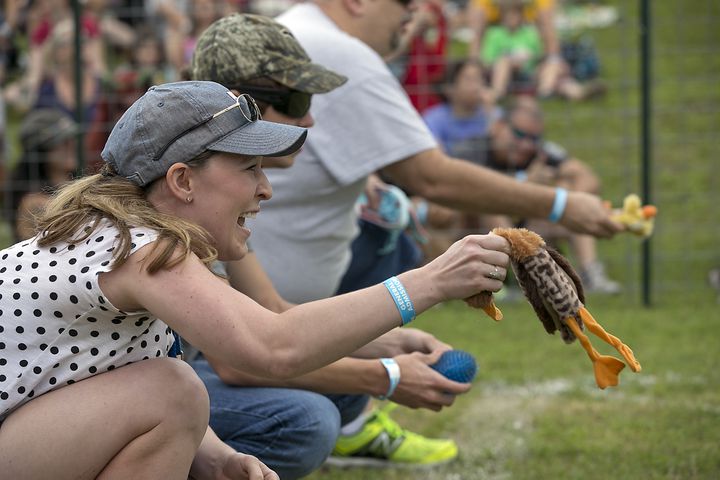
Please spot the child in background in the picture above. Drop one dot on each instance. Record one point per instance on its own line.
(513, 52)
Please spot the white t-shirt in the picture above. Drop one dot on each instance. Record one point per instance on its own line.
(302, 236)
(56, 325)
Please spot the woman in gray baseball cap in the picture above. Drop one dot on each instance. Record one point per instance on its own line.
(86, 386)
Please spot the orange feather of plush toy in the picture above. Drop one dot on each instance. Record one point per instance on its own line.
(556, 294)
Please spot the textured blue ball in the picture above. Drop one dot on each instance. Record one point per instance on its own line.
(457, 365)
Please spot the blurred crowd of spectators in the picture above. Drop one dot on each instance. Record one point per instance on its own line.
(506, 48)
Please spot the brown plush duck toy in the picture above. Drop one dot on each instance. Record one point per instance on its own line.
(556, 294)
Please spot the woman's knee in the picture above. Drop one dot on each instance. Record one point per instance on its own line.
(182, 394)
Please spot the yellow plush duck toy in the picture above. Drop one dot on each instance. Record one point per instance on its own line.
(638, 218)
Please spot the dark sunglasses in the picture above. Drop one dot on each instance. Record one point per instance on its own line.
(523, 135)
(251, 114)
(293, 103)
(405, 3)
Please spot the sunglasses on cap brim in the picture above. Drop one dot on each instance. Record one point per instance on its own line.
(292, 103)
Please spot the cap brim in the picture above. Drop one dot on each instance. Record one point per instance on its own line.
(309, 78)
(267, 139)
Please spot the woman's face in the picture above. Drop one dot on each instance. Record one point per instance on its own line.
(226, 191)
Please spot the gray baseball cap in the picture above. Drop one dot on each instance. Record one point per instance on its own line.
(242, 47)
(176, 122)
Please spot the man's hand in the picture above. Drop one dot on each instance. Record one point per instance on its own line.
(399, 341)
(422, 387)
(585, 213)
(415, 340)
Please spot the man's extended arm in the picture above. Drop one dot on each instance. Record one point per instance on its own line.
(465, 186)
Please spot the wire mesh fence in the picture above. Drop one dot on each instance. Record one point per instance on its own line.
(125, 50)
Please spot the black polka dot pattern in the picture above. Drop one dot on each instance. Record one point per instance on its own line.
(56, 325)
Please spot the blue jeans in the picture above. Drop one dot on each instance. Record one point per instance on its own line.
(292, 431)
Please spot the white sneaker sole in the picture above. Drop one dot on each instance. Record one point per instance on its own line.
(369, 462)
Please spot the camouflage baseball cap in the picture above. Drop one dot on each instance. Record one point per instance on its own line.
(243, 47)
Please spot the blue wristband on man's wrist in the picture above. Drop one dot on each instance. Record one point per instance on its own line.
(422, 209)
(558, 208)
(401, 299)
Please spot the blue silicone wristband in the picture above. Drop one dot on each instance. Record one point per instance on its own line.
(401, 299)
(558, 208)
(393, 371)
(422, 212)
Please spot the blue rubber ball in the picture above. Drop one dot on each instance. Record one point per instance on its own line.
(457, 365)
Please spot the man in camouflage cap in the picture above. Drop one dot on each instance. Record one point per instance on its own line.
(255, 55)
(241, 48)
(289, 426)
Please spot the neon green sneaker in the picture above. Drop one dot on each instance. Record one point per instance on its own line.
(383, 443)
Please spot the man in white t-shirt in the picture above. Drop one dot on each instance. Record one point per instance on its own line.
(304, 235)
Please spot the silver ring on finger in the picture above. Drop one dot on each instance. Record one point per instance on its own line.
(495, 274)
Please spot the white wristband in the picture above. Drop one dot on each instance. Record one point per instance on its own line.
(393, 371)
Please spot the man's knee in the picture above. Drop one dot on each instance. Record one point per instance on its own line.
(315, 428)
(292, 431)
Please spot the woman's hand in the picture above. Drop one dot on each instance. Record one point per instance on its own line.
(474, 264)
(241, 467)
(216, 460)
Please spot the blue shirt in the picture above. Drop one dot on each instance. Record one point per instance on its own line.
(452, 132)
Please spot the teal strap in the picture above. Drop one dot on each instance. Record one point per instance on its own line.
(558, 208)
(401, 299)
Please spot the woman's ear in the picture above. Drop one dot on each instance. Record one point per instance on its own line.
(179, 182)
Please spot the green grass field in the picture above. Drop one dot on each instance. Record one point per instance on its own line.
(535, 412)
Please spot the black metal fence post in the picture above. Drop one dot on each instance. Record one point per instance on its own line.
(646, 138)
(79, 148)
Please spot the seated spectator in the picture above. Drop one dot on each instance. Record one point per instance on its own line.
(143, 67)
(515, 145)
(523, 40)
(44, 17)
(461, 120)
(57, 88)
(48, 160)
(467, 111)
(421, 53)
(511, 50)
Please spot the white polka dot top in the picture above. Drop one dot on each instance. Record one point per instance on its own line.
(57, 327)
